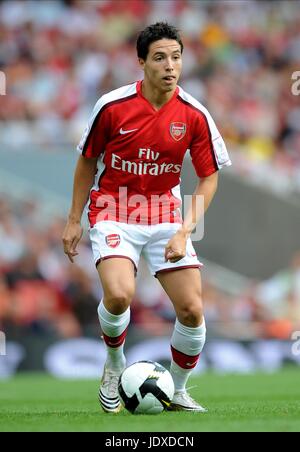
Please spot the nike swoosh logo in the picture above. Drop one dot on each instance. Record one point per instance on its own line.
(192, 364)
(123, 132)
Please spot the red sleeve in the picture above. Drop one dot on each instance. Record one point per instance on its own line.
(202, 150)
(96, 136)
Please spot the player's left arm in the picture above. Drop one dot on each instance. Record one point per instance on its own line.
(209, 154)
(201, 199)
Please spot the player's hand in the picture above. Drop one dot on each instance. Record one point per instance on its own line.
(176, 247)
(71, 237)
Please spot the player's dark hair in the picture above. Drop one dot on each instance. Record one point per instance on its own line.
(155, 32)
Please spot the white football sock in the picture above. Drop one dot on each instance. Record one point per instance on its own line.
(187, 344)
(114, 329)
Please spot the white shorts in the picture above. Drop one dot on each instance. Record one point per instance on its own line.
(113, 239)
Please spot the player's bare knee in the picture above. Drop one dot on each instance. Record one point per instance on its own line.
(191, 315)
(118, 301)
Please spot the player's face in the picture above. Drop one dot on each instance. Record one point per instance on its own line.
(163, 64)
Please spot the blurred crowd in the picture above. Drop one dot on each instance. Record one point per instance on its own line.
(60, 56)
(43, 295)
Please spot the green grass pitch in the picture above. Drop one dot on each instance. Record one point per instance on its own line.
(260, 402)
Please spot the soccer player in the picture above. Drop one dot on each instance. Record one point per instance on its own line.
(131, 157)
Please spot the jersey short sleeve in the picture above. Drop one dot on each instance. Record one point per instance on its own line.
(96, 134)
(208, 150)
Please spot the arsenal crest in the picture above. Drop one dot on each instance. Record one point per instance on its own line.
(113, 240)
(177, 130)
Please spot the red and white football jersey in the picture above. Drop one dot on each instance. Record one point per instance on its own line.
(140, 154)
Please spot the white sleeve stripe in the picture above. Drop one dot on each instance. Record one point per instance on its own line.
(218, 146)
(212, 149)
(119, 95)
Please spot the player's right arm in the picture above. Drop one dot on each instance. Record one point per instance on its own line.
(83, 181)
(91, 145)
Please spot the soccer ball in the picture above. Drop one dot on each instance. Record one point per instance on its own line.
(146, 387)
